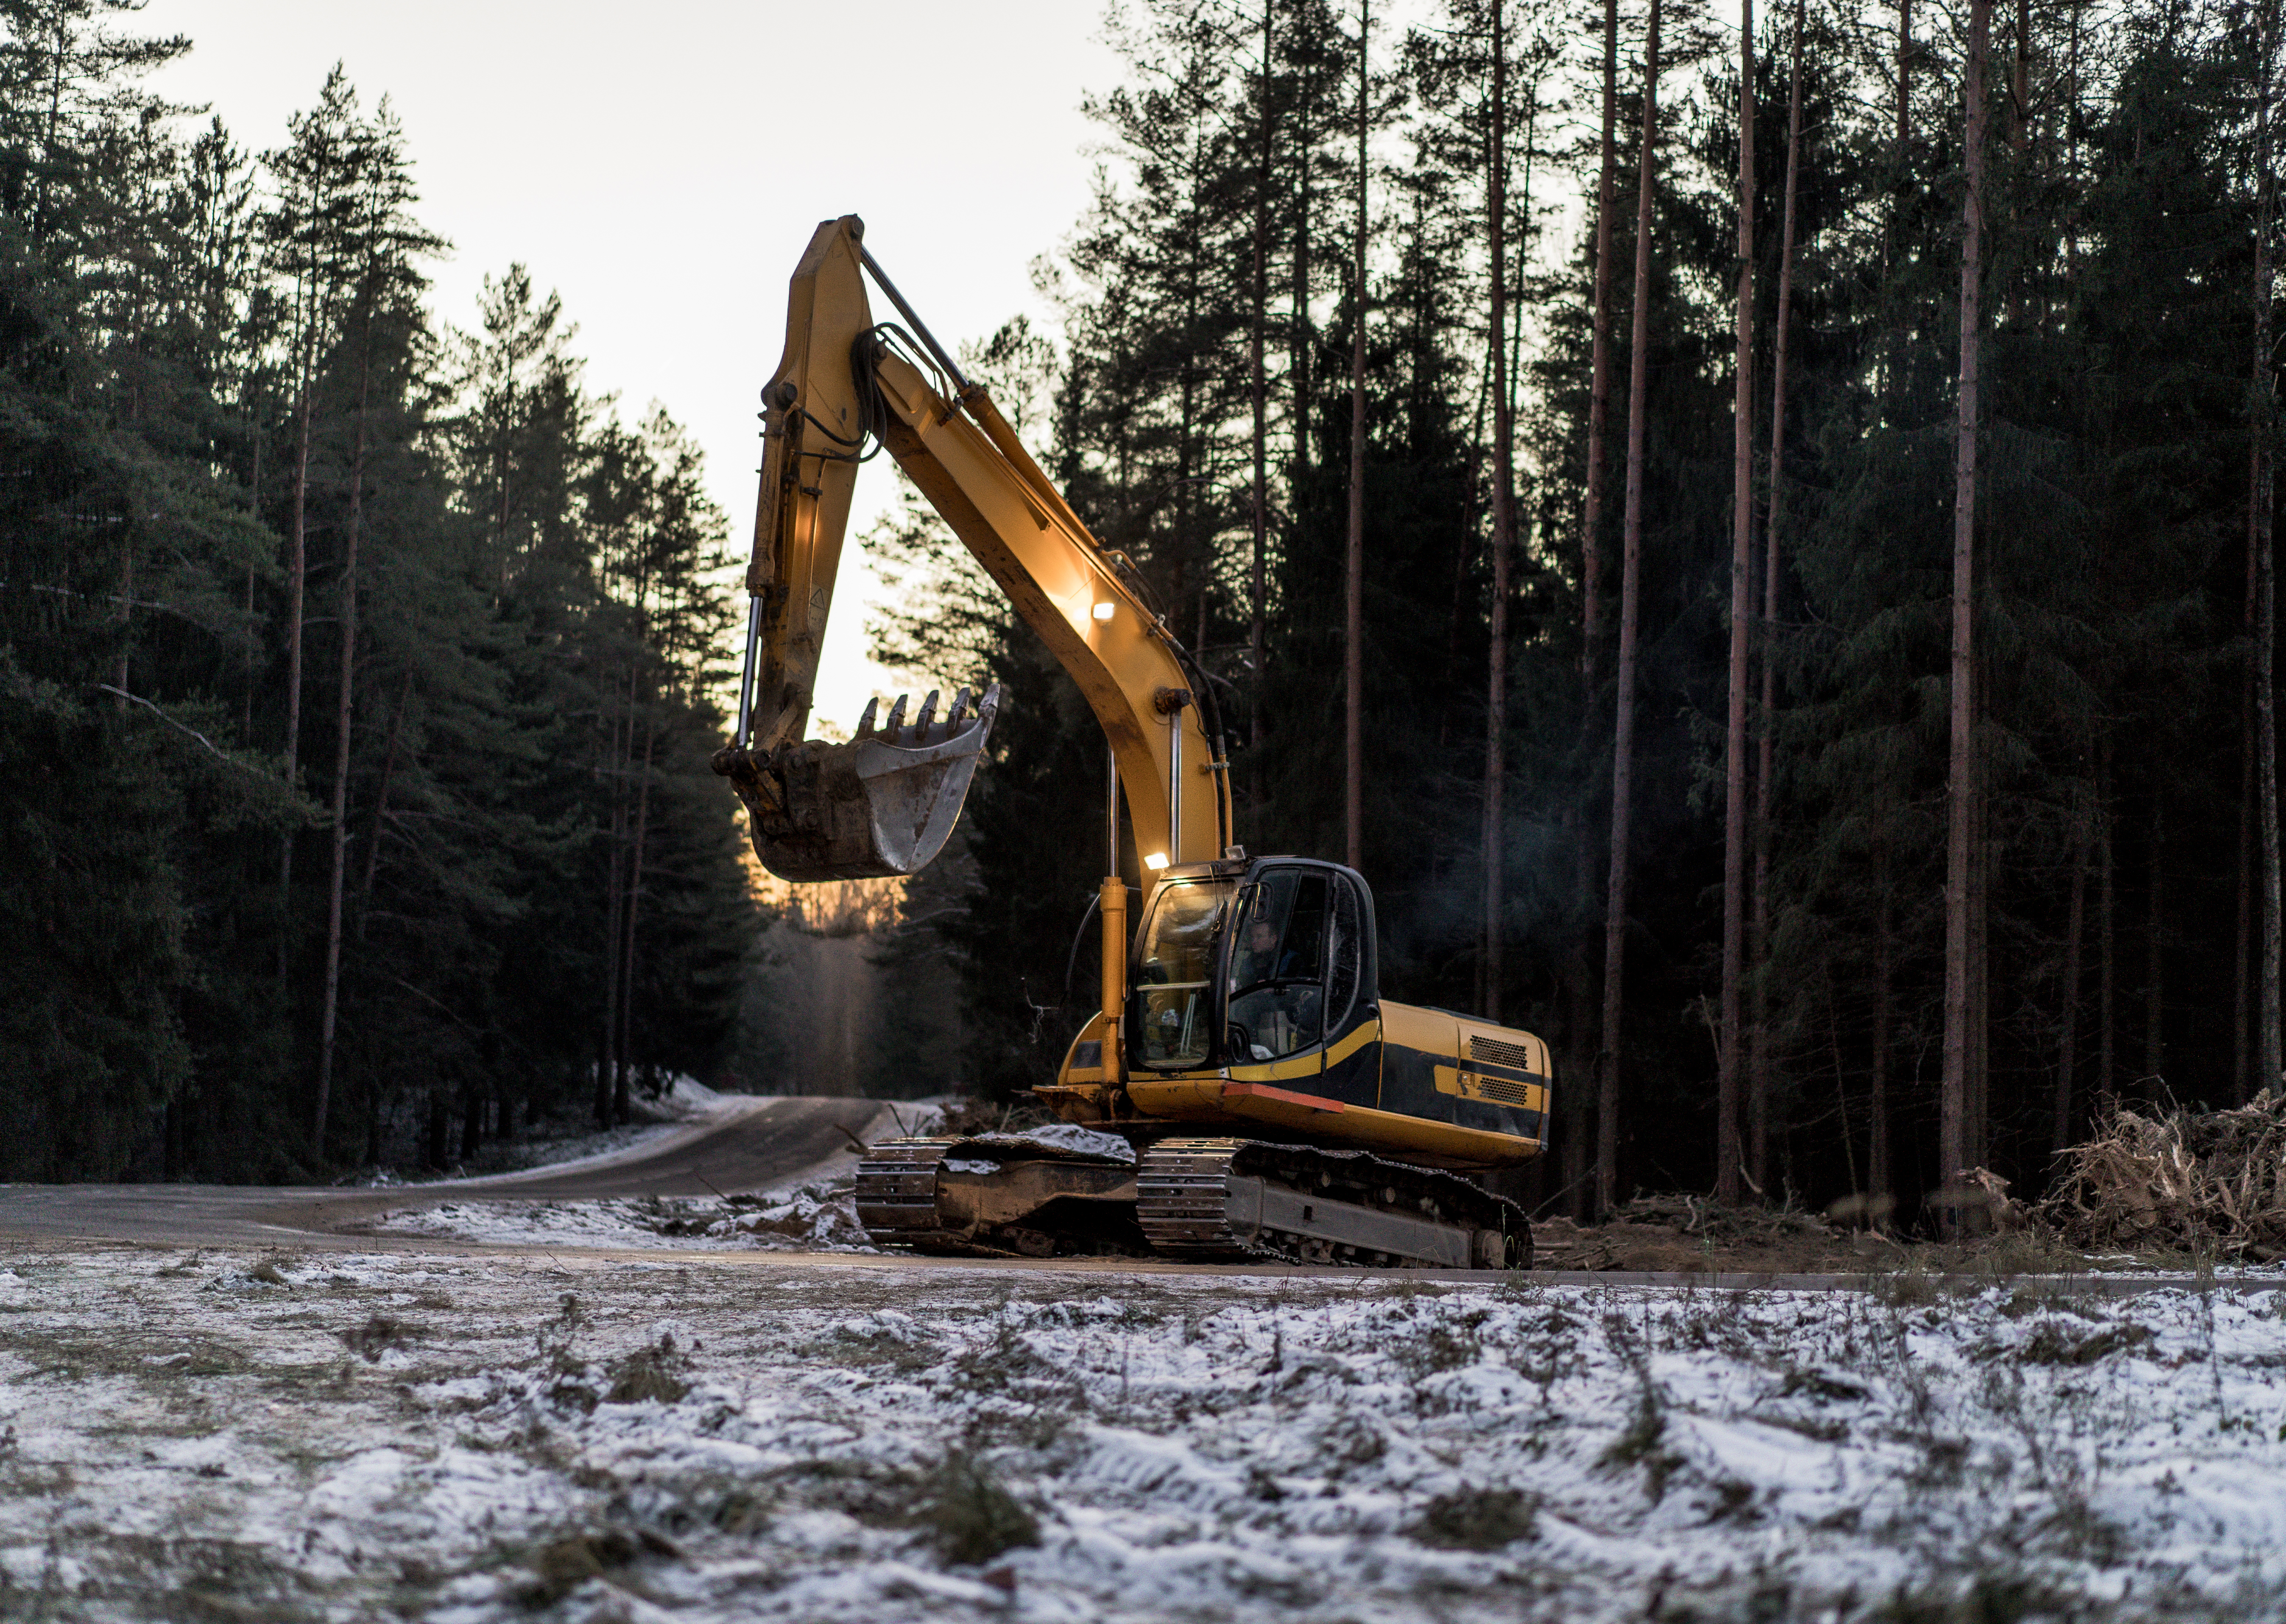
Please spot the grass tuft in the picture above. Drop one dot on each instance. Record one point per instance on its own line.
(649, 1376)
(563, 1565)
(970, 1515)
(1477, 1519)
(2055, 1344)
(376, 1337)
(1910, 1287)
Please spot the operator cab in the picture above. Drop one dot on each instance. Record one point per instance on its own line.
(1254, 1005)
(1246, 965)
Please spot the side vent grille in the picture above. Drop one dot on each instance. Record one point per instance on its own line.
(1502, 1092)
(1492, 1052)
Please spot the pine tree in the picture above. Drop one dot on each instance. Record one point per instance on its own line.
(1615, 906)
(1727, 1157)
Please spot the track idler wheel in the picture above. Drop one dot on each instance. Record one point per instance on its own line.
(1504, 1251)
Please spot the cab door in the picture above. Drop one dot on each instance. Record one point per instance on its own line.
(1298, 1005)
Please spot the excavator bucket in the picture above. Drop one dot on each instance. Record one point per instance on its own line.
(884, 803)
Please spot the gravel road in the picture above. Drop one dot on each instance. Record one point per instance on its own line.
(747, 1144)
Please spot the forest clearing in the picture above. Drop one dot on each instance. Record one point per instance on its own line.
(1721, 562)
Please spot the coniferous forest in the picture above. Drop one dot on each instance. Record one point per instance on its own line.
(1793, 502)
(1945, 799)
(357, 669)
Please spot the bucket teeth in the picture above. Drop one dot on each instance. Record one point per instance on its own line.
(882, 804)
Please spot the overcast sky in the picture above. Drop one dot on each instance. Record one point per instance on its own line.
(661, 166)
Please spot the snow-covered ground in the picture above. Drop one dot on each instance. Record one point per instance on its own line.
(579, 1438)
(819, 1214)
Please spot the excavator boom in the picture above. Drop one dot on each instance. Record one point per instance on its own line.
(885, 802)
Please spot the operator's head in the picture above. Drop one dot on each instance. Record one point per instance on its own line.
(1261, 936)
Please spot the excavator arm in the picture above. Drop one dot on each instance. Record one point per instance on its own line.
(885, 802)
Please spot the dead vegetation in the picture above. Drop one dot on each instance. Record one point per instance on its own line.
(2057, 1344)
(969, 1516)
(1477, 1519)
(2172, 1186)
(652, 1375)
(2178, 1181)
(1692, 1234)
(967, 1115)
(376, 1337)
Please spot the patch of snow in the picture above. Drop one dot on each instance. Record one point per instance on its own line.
(1064, 1137)
(817, 1216)
(605, 1222)
(683, 1100)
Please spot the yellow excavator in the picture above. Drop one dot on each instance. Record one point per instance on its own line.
(1242, 1089)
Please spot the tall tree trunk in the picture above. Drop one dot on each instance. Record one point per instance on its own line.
(1298, 340)
(1758, 1036)
(1904, 76)
(246, 725)
(2071, 151)
(1878, 1172)
(2021, 87)
(1956, 1132)
(2106, 922)
(297, 573)
(1353, 597)
(254, 507)
(1728, 1186)
(1980, 938)
(439, 1147)
(1579, 990)
(634, 902)
(1256, 644)
(1503, 525)
(119, 618)
(2068, 1033)
(607, 1053)
(1623, 732)
(342, 739)
(381, 804)
(1599, 395)
(1840, 1074)
(2242, 1022)
(2155, 1007)
(2258, 532)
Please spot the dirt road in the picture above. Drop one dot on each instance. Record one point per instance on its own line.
(750, 1144)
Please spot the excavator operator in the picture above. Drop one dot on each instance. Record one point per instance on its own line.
(1276, 967)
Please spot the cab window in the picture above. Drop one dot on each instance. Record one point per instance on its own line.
(1174, 979)
(1344, 956)
(1277, 969)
